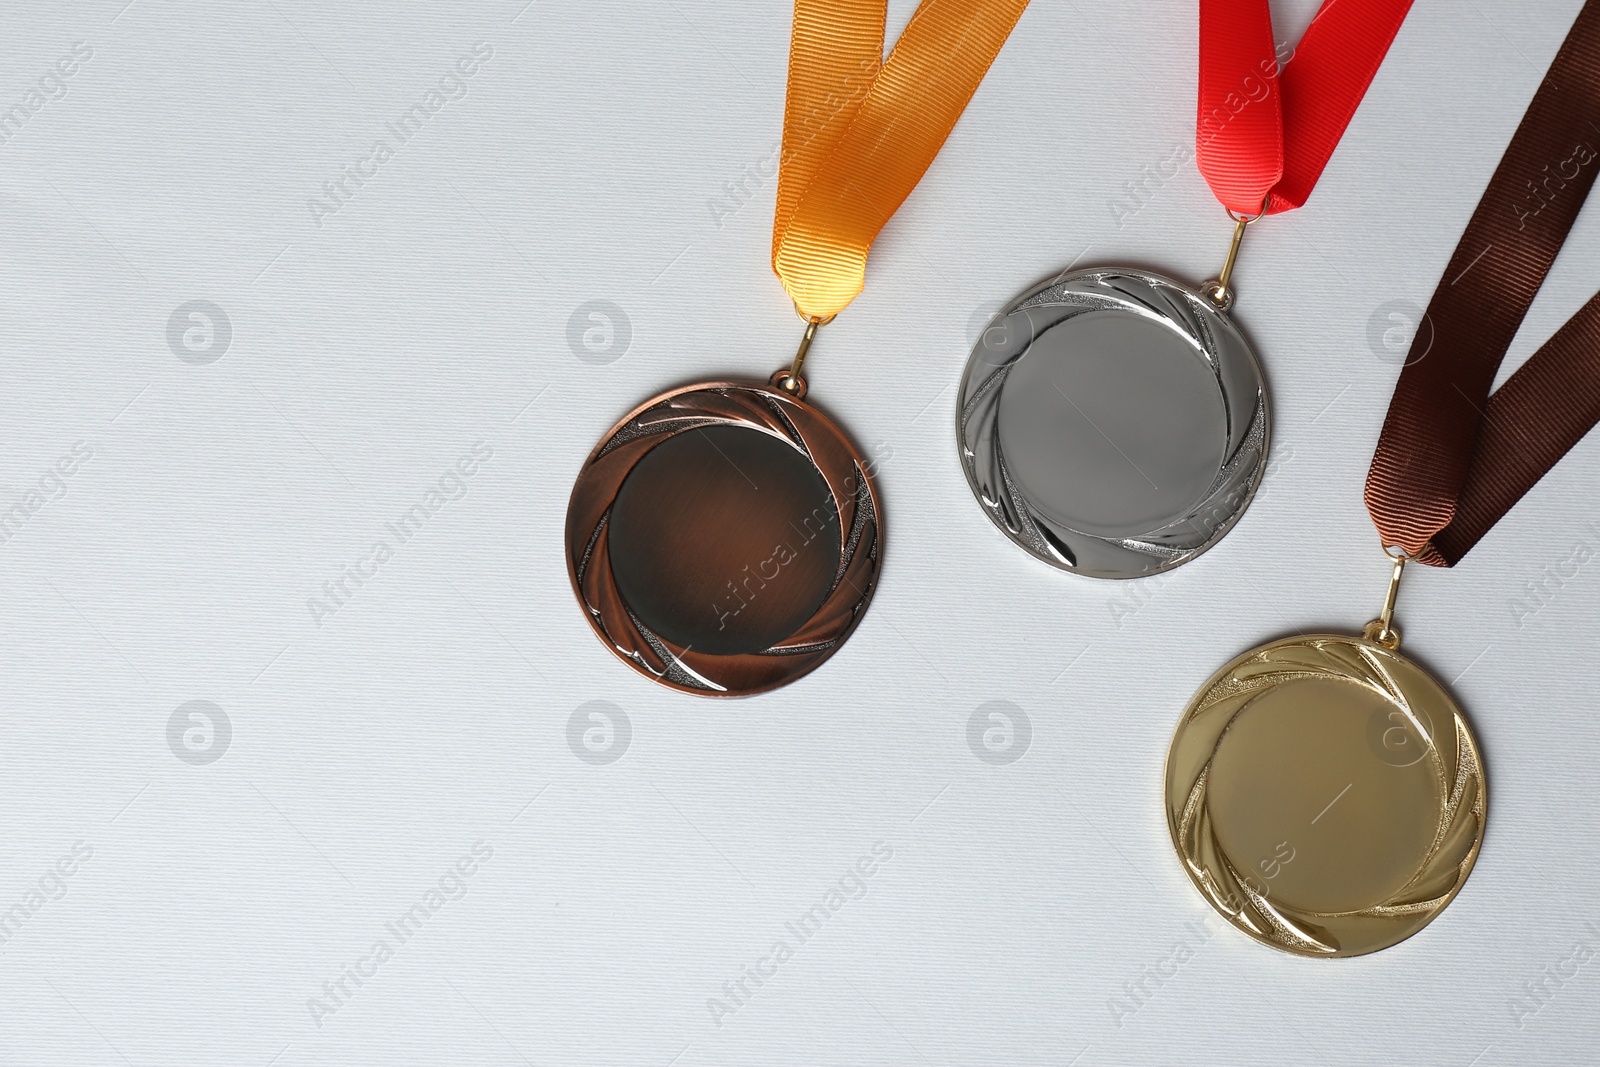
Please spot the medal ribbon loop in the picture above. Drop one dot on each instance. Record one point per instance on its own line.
(859, 131)
(1260, 131)
(1452, 459)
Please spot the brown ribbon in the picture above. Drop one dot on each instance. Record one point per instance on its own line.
(1452, 459)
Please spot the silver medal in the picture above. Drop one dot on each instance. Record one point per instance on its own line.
(1113, 423)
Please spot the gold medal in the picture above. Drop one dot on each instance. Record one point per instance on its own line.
(1325, 794)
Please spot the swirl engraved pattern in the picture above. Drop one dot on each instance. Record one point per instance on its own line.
(1143, 552)
(1452, 758)
(754, 407)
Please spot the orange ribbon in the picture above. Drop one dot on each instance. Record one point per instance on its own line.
(859, 131)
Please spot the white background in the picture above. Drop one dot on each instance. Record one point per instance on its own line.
(431, 710)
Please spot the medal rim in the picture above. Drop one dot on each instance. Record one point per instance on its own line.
(868, 548)
(966, 397)
(1464, 734)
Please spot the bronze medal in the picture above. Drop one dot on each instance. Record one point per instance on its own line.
(723, 538)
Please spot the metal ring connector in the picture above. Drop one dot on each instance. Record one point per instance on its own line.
(795, 387)
(1217, 291)
(790, 381)
(820, 320)
(1248, 219)
(1382, 629)
(1221, 298)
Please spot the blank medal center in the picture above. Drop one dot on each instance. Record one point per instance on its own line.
(1112, 424)
(724, 540)
(1306, 806)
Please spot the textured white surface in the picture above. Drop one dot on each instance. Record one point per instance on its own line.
(431, 711)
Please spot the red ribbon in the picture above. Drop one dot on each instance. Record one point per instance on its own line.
(1261, 132)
